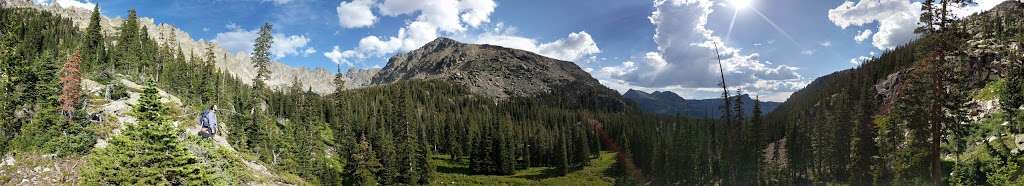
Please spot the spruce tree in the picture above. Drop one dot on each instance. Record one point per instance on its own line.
(1011, 97)
(408, 152)
(94, 50)
(561, 155)
(261, 52)
(426, 169)
(362, 165)
(147, 152)
(385, 146)
(128, 43)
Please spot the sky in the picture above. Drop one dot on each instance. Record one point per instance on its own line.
(768, 48)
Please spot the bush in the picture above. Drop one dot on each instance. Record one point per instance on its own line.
(116, 91)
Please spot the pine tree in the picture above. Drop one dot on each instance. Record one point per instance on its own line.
(862, 141)
(561, 156)
(426, 170)
(94, 48)
(388, 157)
(737, 107)
(1011, 97)
(128, 43)
(362, 166)
(147, 152)
(927, 19)
(47, 120)
(261, 52)
(409, 151)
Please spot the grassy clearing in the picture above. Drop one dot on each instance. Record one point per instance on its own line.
(449, 173)
(991, 90)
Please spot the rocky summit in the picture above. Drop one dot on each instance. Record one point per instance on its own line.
(495, 72)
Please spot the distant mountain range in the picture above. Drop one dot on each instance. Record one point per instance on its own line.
(669, 103)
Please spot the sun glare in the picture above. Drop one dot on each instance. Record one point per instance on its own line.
(741, 4)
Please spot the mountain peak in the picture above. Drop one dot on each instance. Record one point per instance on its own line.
(441, 42)
(496, 72)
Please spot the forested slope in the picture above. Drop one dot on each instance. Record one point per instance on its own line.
(943, 109)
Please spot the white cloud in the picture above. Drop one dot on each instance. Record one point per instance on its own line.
(861, 59)
(807, 52)
(287, 45)
(239, 40)
(356, 13)
(432, 18)
(981, 5)
(825, 44)
(574, 47)
(308, 51)
(447, 15)
(863, 35)
(336, 56)
(72, 4)
(571, 48)
(477, 11)
(896, 19)
(686, 48)
(507, 40)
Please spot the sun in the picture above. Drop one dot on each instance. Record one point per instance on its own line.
(741, 4)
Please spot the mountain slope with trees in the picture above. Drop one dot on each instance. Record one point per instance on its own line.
(668, 103)
(938, 110)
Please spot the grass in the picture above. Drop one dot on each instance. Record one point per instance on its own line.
(450, 173)
(991, 90)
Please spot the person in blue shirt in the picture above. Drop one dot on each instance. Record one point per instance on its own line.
(208, 122)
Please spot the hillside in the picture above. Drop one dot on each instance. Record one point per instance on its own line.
(668, 103)
(949, 88)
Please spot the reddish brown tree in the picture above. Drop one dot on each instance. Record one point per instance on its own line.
(70, 80)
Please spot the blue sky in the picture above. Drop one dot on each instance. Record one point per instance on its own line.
(774, 48)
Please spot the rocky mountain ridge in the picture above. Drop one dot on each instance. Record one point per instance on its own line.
(320, 80)
(669, 103)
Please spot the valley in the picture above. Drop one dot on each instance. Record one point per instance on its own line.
(91, 97)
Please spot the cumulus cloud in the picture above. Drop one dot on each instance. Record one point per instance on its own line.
(574, 47)
(477, 11)
(85, 5)
(896, 19)
(308, 51)
(356, 13)
(336, 56)
(239, 40)
(863, 35)
(861, 59)
(981, 5)
(433, 18)
(685, 61)
(571, 48)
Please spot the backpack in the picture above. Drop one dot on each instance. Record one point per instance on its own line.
(208, 120)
